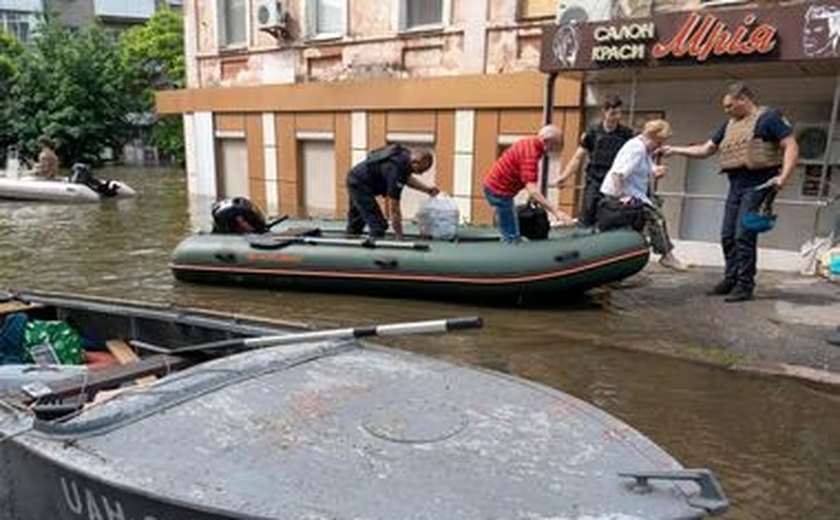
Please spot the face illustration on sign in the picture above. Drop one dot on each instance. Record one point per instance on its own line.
(566, 45)
(821, 34)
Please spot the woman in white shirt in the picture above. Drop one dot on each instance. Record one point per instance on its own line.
(628, 185)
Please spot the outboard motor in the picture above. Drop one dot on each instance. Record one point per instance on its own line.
(237, 215)
(80, 173)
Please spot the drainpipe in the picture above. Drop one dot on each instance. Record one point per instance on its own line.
(633, 86)
(548, 115)
(827, 155)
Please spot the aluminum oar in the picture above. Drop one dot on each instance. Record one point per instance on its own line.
(391, 329)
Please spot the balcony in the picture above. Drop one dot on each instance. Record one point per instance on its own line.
(124, 9)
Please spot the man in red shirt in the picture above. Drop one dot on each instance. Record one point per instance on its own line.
(516, 170)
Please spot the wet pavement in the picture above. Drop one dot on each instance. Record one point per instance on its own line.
(781, 331)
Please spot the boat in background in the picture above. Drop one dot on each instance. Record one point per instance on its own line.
(475, 266)
(213, 416)
(81, 186)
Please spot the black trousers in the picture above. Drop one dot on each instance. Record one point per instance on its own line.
(591, 198)
(364, 210)
(740, 245)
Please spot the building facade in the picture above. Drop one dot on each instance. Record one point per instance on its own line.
(283, 97)
(20, 17)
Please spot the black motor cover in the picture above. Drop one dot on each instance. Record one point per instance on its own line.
(237, 215)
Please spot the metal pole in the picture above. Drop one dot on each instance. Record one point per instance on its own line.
(633, 83)
(548, 115)
(827, 154)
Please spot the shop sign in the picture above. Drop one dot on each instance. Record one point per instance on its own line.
(790, 33)
(622, 43)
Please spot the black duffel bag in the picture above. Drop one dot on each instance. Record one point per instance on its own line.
(533, 221)
(615, 214)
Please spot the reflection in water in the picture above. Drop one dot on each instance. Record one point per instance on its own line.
(775, 444)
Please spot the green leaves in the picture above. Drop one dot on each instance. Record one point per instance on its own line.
(153, 55)
(86, 88)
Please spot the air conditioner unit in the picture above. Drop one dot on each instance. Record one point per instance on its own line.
(580, 11)
(813, 140)
(272, 16)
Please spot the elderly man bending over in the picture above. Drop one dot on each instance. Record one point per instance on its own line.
(516, 170)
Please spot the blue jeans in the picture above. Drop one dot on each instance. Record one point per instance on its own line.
(506, 218)
(740, 245)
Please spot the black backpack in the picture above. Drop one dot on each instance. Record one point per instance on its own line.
(380, 155)
(533, 221)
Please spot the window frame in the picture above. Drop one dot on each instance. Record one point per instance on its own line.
(401, 18)
(310, 14)
(221, 32)
(20, 18)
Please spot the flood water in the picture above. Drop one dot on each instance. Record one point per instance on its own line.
(774, 444)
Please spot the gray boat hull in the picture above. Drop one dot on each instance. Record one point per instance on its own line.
(334, 429)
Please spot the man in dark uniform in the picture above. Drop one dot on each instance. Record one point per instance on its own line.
(384, 173)
(756, 146)
(600, 144)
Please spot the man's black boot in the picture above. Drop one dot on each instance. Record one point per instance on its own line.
(739, 294)
(721, 288)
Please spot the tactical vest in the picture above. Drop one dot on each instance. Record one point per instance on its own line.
(740, 148)
(606, 146)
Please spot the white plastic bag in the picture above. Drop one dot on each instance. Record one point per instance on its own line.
(438, 217)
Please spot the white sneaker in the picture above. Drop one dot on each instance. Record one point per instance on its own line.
(672, 262)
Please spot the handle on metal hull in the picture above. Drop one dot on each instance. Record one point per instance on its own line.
(711, 496)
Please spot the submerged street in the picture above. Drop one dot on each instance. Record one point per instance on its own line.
(774, 443)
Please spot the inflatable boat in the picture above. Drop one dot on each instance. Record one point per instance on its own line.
(34, 188)
(317, 255)
(81, 186)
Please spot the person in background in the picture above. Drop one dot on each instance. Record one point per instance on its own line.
(47, 159)
(598, 148)
(756, 146)
(516, 170)
(628, 182)
(385, 172)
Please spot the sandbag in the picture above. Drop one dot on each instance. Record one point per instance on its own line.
(438, 217)
(533, 221)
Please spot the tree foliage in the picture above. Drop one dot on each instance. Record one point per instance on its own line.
(10, 52)
(153, 56)
(72, 87)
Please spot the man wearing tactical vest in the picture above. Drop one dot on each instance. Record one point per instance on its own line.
(384, 172)
(599, 144)
(756, 146)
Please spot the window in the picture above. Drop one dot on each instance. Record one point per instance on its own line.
(319, 180)
(325, 18)
(537, 8)
(419, 14)
(16, 23)
(233, 16)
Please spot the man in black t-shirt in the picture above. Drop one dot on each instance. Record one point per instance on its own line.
(385, 172)
(599, 144)
(757, 147)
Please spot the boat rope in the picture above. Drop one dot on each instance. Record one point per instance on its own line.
(10, 436)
